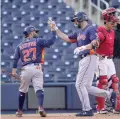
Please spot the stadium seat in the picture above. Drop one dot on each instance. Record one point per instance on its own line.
(68, 51)
(48, 77)
(47, 64)
(18, 31)
(60, 62)
(64, 78)
(5, 64)
(5, 57)
(53, 2)
(70, 57)
(52, 50)
(43, 8)
(7, 19)
(25, 7)
(5, 13)
(7, 7)
(17, 2)
(52, 57)
(36, 14)
(72, 70)
(28, 19)
(43, 20)
(7, 45)
(8, 51)
(53, 14)
(36, 3)
(5, 78)
(17, 14)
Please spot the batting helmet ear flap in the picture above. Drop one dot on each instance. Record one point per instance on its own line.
(25, 33)
(85, 17)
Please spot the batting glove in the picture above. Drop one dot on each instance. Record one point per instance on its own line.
(76, 51)
(79, 49)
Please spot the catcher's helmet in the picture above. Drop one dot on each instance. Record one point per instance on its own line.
(109, 14)
(80, 16)
(29, 29)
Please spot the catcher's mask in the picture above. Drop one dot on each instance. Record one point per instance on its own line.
(111, 15)
(29, 29)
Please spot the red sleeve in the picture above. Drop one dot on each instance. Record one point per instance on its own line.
(73, 37)
(100, 33)
(100, 36)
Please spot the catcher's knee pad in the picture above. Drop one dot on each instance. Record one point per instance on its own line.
(103, 81)
(115, 83)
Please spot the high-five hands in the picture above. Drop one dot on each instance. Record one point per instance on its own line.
(52, 25)
(79, 49)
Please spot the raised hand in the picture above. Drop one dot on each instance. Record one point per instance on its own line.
(52, 25)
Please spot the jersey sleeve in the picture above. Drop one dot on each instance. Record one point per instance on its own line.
(47, 43)
(16, 57)
(73, 37)
(93, 33)
(100, 33)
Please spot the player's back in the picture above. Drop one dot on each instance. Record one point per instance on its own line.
(30, 51)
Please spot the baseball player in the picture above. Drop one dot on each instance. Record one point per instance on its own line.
(87, 63)
(104, 50)
(31, 53)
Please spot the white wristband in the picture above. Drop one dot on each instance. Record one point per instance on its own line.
(56, 28)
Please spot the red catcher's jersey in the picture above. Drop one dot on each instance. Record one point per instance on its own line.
(106, 42)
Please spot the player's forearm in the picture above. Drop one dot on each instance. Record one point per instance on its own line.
(63, 36)
(89, 46)
(93, 45)
(14, 71)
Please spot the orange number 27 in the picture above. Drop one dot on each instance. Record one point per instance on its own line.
(27, 53)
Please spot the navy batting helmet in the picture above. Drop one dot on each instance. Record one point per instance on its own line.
(80, 16)
(29, 29)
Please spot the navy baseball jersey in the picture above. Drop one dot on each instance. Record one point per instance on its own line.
(31, 50)
(84, 37)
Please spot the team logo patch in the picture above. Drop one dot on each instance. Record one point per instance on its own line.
(81, 37)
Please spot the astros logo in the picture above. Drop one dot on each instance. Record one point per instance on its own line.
(81, 37)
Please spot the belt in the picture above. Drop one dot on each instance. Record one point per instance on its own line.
(84, 55)
(36, 64)
(108, 57)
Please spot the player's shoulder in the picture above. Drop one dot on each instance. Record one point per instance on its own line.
(92, 26)
(24, 41)
(39, 39)
(100, 29)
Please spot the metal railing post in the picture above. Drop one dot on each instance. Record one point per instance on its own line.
(89, 8)
(98, 13)
(81, 5)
